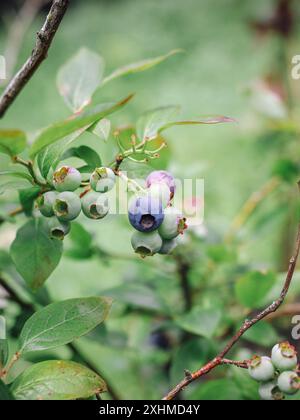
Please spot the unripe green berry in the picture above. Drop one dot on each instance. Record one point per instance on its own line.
(102, 180)
(261, 369)
(67, 206)
(146, 244)
(289, 382)
(57, 229)
(269, 391)
(95, 205)
(168, 246)
(173, 224)
(284, 356)
(45, 203)
(160, 191)
(66, 178)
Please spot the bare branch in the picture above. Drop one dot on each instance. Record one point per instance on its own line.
(219, 359)
(39, 54)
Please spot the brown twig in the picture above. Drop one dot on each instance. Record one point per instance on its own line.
(219, 359)
(39, 54)
(17, 31)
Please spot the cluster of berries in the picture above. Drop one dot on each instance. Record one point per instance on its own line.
(277, 375)
(156, 221)
(63, 205)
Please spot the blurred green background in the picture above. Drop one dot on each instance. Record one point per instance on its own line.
(228, 60)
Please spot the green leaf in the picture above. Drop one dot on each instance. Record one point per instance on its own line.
(200, 321)
(9, 182)
(263, 334)
(85, 153)
(16, 174)
(34, 253)
(12, 142)
(81, 242)
(252, 288)
(5, 394)
(78, 79)
(248, 387)
(137, 295)
(139, 66)
(3, 352)
(27, 198)
(102, 129)
(151, 122)
(217, 389)
(64, 128)
(57, 380)
(62, 322)
(50, 156)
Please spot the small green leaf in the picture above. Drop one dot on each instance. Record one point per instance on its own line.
(102, 129)
(62, 322)
(139, 66)
(64, 128)
(50, 156)
(27, 198)
(5, 394)
(252, 288)
(9, 182)
(200, 321)
(34, 253)
(12, 142)
(57, 380)
(16, 174)
(78, 79)
(85, 153)
(4, 351)
(151, 122)
(263, 334)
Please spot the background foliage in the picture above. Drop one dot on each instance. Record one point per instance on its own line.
(173, 315)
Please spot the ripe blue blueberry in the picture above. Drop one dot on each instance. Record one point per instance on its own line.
(45, 203)
(145, 213)
(261, 369)
(284, 356)
(57, 229)
(95, 205)
(173, 224)
(146, 244)
(67, 206)
(168, 246)
(103, 180)
(66, 178)
(162, 177)
(289, 382)
(269, 391)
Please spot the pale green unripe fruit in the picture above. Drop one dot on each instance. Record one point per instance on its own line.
(66, 178)
(269, 391)
(288, 382)
(284, 356)
(103, 180)
(168, 246)
(45, 203)
(67, 206)
(160, 191)
(173, 224)
(261, 369)
(95, 205)
(57, 229)
(146, 244)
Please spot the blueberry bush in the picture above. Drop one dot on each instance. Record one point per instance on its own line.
(148, 323)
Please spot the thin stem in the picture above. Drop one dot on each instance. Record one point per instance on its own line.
(39, 53)
(12, 362)
(219, 359)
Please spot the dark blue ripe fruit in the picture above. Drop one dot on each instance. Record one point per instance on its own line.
(145, 213)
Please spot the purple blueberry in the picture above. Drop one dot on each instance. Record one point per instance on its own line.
(145, 213)
(162, 177)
